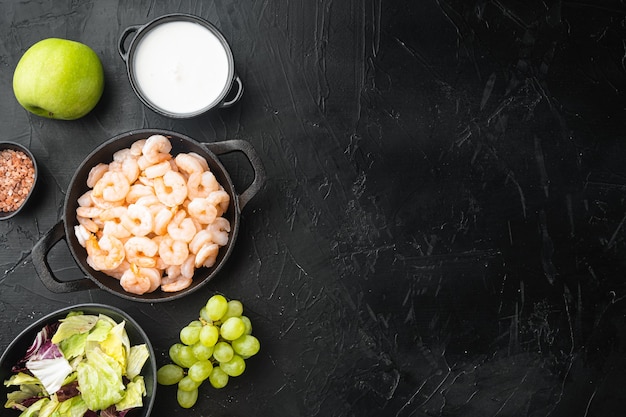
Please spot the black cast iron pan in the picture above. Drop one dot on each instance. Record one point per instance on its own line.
(64, 229)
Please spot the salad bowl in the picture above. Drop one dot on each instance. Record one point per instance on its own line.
(18, 348)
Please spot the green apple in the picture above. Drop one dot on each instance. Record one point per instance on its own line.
(59, 79)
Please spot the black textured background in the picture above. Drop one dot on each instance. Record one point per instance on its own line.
(442, 230)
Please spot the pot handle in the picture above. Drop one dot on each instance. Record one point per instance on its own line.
(120, 46)
(39, 255)
(225, 104)
(236, 145)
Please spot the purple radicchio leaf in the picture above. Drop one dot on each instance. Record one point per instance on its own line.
(109, 412)
(68, 391)
(43, 336)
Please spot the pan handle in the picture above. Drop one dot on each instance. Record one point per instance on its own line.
(39, 255)
(236, 145)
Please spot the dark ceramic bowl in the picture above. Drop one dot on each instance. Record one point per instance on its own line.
(4, 215)
(17, 349)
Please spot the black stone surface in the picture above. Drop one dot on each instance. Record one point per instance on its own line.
(442, 232)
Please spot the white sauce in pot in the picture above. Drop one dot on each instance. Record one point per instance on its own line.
(181, 67)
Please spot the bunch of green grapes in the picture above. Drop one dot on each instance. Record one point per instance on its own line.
(214, 347)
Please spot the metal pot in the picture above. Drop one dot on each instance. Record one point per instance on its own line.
(173, 55)
(64, 229)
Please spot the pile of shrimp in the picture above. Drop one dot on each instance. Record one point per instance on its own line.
(151, 219)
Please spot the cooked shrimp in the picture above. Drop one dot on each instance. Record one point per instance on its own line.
(96, 173)
(181, 227)
(137, 191)
(177, 284)
(202, 210)
(173, 252)
(162, 219)
(103, 204)
(203, 162)
(113, 222)
(188, 267)
(157, 149)
(119, 271)
(85, 200)
(171, 189)
(89, 211)
(207, 255)
(157, 170)
(138, 280)
(219, 231)
(82, 234)
(202, 238)
(220, 199)
(138, 220)
(115, 229)
(172, 272)
(137, 147)
(88, 224)
(148, 200)
(188, 164)
(141, 250)
(130, 169)
(122, 155)
(106, 253)
(113, 186)
(113, 213)
(200, 184)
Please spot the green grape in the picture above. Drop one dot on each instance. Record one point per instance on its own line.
(200, 370)
(202, 352)
(187, 399)
(209, 335)
(232, 328)
(174, 353)
(186, 356)
(218, 378)
(234, 367)
(216, 307)
(170, 374)
(234, 309)
(204, 315)
(248, 324)
(246, 346)
(222, 352)
(188, 384)
(190, 334)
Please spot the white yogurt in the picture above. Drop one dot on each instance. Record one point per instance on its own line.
(181, 67)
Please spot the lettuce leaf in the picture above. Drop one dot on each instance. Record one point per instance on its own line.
(73, 407)
(74, 346)
(137, 357)
(33, 410)
(74, 324)
(24, 397)
(116, 344)
(22, 378)
(135, 390)
(100, 380)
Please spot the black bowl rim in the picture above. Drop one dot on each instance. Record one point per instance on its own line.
(17, 146)
(92, 308)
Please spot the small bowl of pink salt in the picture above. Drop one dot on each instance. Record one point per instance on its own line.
(18, 175)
